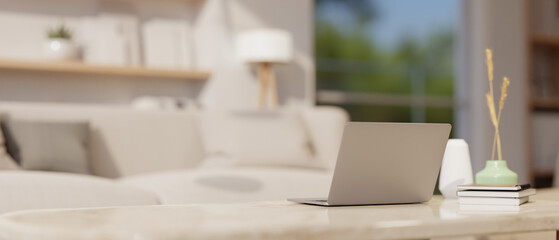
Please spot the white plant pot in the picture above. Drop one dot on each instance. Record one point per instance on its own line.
(456, 168)
(60, 49)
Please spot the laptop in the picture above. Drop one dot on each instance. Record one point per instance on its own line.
(385, 163)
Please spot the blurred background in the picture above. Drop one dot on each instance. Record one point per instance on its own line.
(394, 61)
(407, 47)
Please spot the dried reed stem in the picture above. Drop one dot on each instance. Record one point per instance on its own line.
(489, 96)
(492, 112)
(489, 62)
(495, 142)
(504, 88)
(495, 118)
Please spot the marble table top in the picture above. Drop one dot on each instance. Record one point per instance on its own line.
(277, 220)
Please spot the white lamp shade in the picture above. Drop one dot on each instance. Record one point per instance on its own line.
(265, 45)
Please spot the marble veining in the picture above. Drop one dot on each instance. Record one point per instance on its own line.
(276, 220)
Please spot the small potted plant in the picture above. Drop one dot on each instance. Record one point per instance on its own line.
(59, 45)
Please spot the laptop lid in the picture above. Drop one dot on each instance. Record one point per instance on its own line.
(384, 163)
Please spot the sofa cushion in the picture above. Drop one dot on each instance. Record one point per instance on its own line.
(240, 184)
(50, 145)
(136, 142)
(6, 161)
(39, 190)
(258, 138)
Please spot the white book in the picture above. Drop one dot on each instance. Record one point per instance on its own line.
(166, 44)
(112, 51)
(128, 28)
(492, 201)
(516, 187)
(102, 43)
(501, 194)
(491, 209)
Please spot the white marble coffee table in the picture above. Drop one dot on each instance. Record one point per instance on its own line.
(275, 220)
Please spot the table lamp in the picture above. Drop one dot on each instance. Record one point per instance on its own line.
(265, 47)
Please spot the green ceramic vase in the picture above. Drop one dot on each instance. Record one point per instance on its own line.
(496, 172)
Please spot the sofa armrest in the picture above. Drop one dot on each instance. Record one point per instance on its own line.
(325, 126)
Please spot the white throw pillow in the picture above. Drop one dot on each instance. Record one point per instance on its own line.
(258, 138)
(129, 143)
(50, 145)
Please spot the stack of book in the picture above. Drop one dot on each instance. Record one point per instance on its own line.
(512, 195)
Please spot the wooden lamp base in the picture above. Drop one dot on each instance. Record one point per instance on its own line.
(267, 96)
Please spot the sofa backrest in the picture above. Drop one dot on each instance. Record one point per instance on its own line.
(325, 128)
(124, 141)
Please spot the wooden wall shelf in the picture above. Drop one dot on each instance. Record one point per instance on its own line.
(545, 103)
(549, 172)
(545, 39)
(81, 68)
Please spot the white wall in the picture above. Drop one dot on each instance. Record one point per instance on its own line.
(499, 25)
(215, 24)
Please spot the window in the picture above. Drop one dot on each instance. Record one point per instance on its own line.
(386, 60)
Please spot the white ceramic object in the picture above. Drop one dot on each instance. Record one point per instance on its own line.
(155, 103)
(168, 103)
(60, 49)
(456, 167)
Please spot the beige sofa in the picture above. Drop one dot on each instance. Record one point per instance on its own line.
(177, 157)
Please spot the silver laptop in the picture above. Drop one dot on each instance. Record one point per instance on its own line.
(386, 163)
